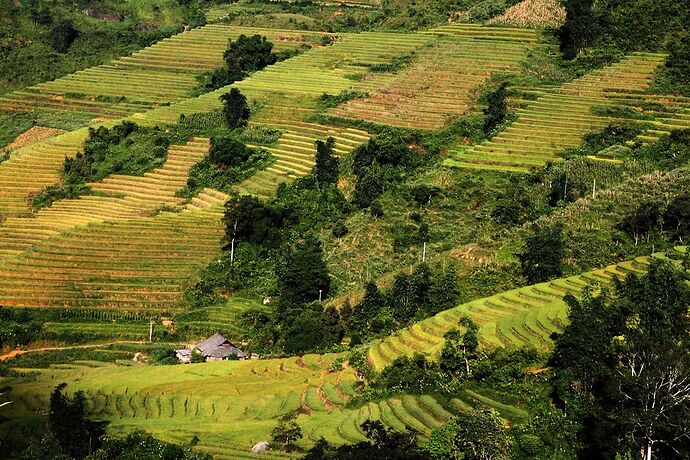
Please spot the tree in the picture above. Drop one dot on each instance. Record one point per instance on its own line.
(423, 193)
(287, 432)
(368, 187)
(250, 219)
(325, 164)
(68, 422)
(376, 209)
(476, 435)
(677, 217)
(542, 257)
(579, 29)
(303, 277)
(141, 445)
(235, 108)
(628, 378)
(63, 35)
(226, 151)
(496, 109)
(678, 62)
(460, 349)
(641, 221)
(366, 310)
(382, 443)
(248, 54)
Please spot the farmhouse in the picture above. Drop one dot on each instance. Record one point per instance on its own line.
(218, 348)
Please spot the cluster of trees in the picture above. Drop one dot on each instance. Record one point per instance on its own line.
(420, 294)
(380, 163)
(622, 366)
(242, 56)
(674, 219)
(610, 24)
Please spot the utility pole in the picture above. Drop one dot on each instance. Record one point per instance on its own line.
(151, 331)
(232, 244)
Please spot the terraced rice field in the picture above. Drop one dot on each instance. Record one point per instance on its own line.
(162, 73)
(136, 265)
(525, 316)
(288, 93)
(233, 405)
(442, 82)
(119, 198)
(558, 119)
(32, 168)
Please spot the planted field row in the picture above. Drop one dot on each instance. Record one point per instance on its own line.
(479, 32)
(441, 83)
(557, 120)
(520, 317)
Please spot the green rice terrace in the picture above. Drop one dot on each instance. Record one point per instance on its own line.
(345, 230)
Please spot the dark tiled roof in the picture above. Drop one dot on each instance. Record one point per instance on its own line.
(218, 346)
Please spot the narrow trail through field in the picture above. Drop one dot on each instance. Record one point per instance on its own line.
(13, 353)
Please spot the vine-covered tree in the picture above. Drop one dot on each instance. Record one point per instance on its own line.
(63, 35)
(303, 277)
(68, 421)
(579, 29)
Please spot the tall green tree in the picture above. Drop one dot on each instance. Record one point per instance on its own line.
(325, 164)
(249, 54)
(542, 256)
(370, 306)
(476, 435)
(235, 108)
(69, 423)
(303, 277)
(580, 28)
(496, 109)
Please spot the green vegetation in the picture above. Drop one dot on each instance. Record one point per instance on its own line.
(42, 42)
(474, 233)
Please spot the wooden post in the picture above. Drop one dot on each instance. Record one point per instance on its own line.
(151, 331)
(424, 253)
(594, 188)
